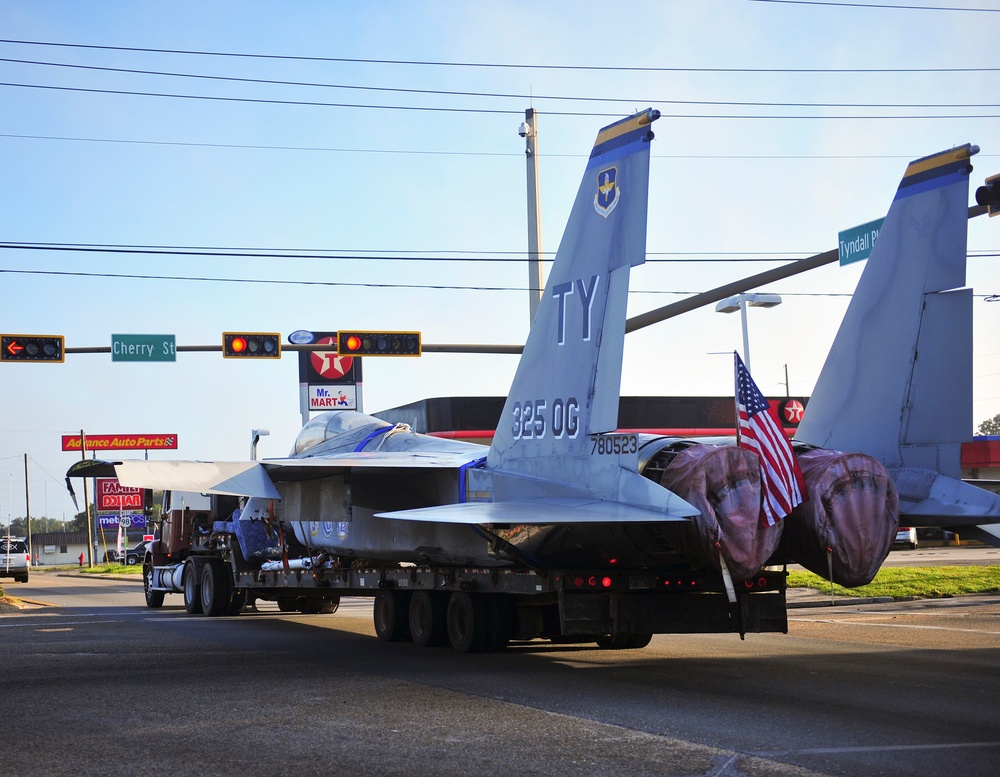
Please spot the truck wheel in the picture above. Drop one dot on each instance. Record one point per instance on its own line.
(428, 624)
(637, 641)
(391, 615)
(192, 589)
(237, 600)
(466, 622)
(154, 599)
(216, 588)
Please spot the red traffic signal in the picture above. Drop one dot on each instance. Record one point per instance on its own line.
(354, 343)
(251, 345)
(32, 348)
(989, 195)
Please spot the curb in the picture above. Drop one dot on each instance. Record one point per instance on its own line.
(842, 601)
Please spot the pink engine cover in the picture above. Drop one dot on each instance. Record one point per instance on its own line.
(723, 482)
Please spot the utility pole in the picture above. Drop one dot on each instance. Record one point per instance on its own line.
(529, 131)
(91, 538)
(27, 507)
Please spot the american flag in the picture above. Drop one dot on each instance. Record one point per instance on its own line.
(758, 430)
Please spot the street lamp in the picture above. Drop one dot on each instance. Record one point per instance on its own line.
(255, 436)
(739, 302)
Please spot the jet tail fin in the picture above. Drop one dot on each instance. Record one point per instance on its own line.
(897, 383)
(567, 383)
(566, 388)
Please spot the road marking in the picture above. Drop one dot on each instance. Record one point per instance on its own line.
(892, 625)
(875, 749)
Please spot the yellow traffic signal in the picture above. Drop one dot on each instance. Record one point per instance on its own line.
(32, 348)
(357, 343)
(251, 345)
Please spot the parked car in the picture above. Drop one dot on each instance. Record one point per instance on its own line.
(15, 561)
(907, 535)
(133, 555)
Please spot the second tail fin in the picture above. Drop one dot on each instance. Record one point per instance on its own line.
(897, 383)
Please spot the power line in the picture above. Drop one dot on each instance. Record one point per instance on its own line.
(501, 65)
(893, 7)
(517, 154)
(379, 255)
(494, 111)
(497, 95)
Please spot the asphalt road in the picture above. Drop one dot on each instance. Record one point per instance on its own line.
(98, 685)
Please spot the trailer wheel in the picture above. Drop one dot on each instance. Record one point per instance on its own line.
(428, 614)
(391, 615)
(467, 622)
(624, 641)
(310, 605)
(499, 622)
(216, 588)
(192, 589)
(154, 599)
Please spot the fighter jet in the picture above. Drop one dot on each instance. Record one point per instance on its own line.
(558, 487)
(557, 484)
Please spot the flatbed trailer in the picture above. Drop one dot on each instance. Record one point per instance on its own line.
(472, 608)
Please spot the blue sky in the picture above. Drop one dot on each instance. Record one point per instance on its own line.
(258, 172)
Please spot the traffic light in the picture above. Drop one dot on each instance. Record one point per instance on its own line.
(989, 195)
(251, 345)
(32, 348)
(352, 343)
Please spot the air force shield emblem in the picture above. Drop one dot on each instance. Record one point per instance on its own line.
(607, 191)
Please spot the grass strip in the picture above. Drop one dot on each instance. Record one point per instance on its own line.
(902, 582)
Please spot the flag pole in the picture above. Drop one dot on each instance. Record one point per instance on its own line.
(736, 395)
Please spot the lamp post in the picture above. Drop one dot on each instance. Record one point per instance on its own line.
(255, 436)
(740, 302)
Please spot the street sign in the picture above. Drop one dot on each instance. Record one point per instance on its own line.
(857, 243)
(143, 348)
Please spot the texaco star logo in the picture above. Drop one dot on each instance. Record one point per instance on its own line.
(793, 411)
(330, 364)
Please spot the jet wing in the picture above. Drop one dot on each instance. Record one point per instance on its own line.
(238, 478)
(306, 469)
(536, 511)
(257, 478)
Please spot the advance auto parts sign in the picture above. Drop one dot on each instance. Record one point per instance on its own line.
(122, 442)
